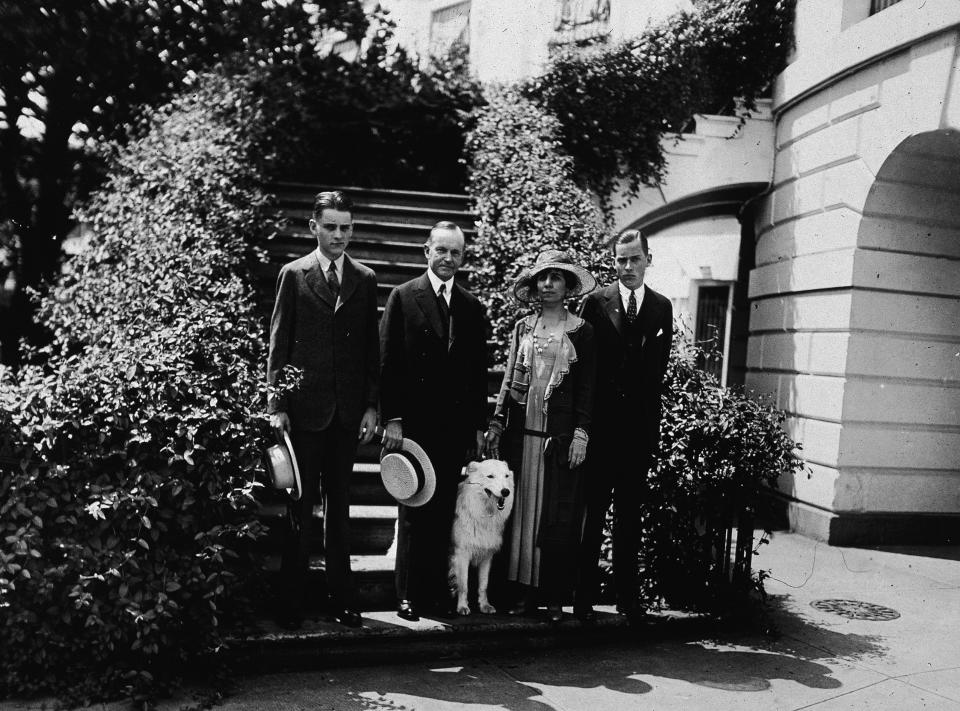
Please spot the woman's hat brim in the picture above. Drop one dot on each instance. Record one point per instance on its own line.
(525, 289)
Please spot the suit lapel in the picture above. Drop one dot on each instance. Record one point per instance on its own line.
(646, 318)
(350, 280)
(315, 278)
(614, 308)
(457, 300)
(427, 301)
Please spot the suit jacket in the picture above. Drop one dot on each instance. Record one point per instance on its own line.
(337, 348)
(629, 380)
(432, 384)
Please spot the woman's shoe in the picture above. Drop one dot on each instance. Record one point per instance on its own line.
(522, 607)
(554, 613)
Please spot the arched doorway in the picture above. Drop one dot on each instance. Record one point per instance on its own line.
(899, 459)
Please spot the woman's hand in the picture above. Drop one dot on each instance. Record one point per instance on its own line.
(491, 447)
(577, 453)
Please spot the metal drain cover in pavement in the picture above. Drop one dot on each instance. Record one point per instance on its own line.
(856, 610)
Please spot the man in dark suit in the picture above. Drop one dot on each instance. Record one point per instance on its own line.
(633, 328)
(434, 391)
(325, 323)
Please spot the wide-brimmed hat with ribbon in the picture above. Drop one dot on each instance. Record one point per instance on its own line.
(281, 466)
(408, 474)
(526, 287)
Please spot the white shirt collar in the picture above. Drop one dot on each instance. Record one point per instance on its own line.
(325, 263)
(625, 293)
(435, 282)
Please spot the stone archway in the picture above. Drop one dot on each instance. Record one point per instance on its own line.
(899, 457)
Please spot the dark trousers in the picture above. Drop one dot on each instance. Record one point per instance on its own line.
(625, 480)
(326, 462)
(423, 533)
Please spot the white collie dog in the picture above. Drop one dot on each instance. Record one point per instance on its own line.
(484, 502)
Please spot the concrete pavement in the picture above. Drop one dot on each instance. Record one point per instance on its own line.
(906, 658)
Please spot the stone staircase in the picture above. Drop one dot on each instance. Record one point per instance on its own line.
(390, 228)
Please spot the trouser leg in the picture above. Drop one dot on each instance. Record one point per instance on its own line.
(299, 530)
(338, 454)
(403, 575)
(597, 492)
(628, 496)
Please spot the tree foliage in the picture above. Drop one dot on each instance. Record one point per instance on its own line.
(527, 200)
(73, 74)
(615, 106)
(376, 120)
(125, 528)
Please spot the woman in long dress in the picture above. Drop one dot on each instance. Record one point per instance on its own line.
(543, 417)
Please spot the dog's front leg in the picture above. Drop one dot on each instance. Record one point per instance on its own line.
(461, 575)
(483, 575)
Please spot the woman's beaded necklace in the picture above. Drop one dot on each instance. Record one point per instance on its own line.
(542, 342)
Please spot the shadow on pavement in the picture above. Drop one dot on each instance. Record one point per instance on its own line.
(803, 636)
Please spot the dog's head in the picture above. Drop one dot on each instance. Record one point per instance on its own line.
(494, 478)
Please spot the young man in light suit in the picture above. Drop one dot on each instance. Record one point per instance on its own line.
(633, 329)
(325, 323)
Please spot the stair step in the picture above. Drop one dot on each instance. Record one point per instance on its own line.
(385, 637)
(372, 527)
(373, 577)
(422, 217)
(376, 230)
(361, 196)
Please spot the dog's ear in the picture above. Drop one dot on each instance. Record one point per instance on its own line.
(471, 467)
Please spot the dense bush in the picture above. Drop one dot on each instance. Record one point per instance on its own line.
(125, 529)
(614, 106)
(720, 450)
(375, 121)
(526, 200)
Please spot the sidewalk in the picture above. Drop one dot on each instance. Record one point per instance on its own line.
(819, 659)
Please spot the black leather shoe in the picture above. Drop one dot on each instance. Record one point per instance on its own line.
(348, 618)
(585, 614)
(520, 609)
(554, 613)
(406, 611)
(290, 622)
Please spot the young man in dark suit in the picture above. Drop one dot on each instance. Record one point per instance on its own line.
(433, 391)
(325, 323)
(633, 329)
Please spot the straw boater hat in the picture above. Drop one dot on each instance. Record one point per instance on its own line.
(281, 466)
(408, 474)
(526, 287)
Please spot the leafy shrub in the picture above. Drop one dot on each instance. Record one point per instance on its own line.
(614, 106)
(720, 450)
(125, 530)
(376, 121)
(526, 200)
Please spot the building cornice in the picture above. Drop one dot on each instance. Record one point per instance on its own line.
(871, 40)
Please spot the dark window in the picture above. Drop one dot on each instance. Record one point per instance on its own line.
(878, 5)
(711, 327)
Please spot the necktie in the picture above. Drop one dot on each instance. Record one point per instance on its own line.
(444, 310)
(332, 281)
(632, 307)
